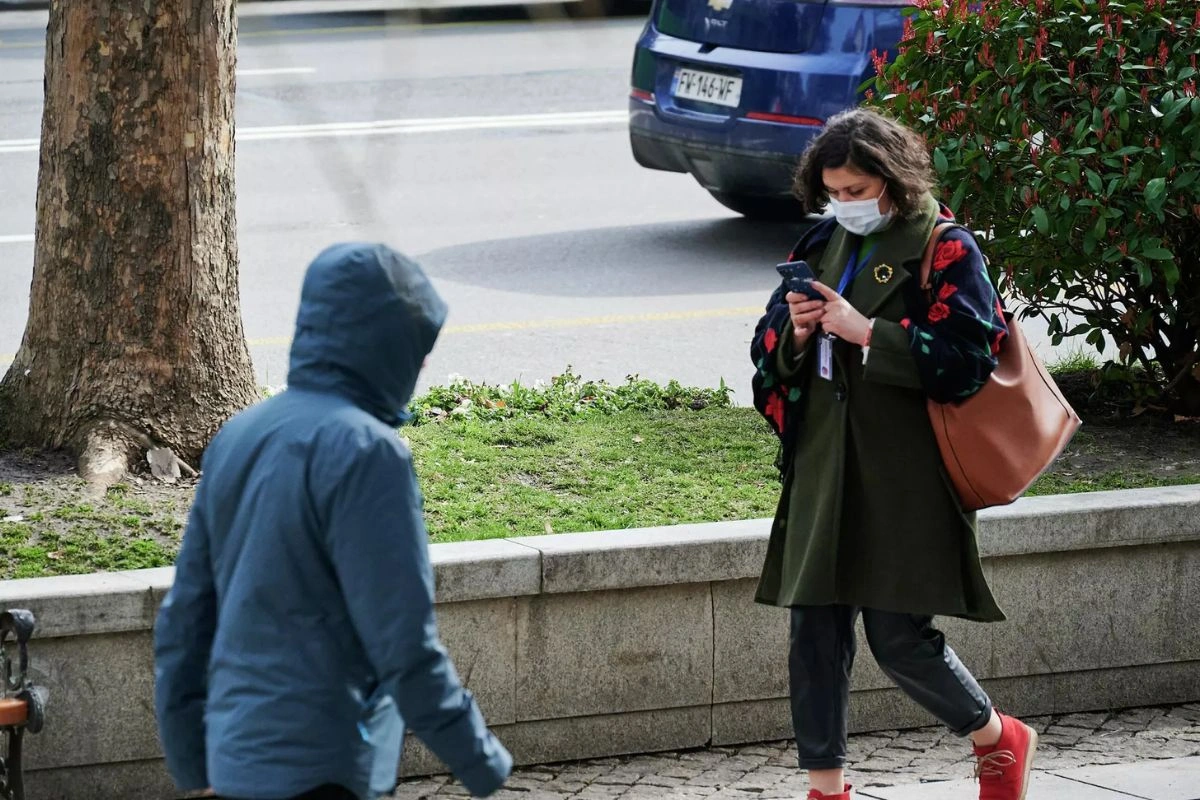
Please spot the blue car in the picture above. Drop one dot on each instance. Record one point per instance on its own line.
(732, 91)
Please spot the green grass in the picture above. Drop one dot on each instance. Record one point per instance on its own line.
(1054, 483)
(528, 476)
(569, 456)
(30, 554)
(67, 536)
(1075, 361)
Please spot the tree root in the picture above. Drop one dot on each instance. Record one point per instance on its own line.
(107, 451)
(102, 463)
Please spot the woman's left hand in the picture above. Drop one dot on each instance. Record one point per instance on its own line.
(842, 319)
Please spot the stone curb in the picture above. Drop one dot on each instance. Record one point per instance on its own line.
(644, 557)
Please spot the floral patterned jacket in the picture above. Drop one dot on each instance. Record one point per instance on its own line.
(954, 335)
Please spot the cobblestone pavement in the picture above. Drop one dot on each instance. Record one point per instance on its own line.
(768, 771)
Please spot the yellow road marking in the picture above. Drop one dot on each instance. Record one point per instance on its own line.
(545, 324)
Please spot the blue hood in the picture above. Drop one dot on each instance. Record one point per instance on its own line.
(368, 318)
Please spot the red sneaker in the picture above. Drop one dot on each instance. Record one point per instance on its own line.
(813, 794)
(1003, 770)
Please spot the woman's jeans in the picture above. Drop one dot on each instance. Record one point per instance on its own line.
(907, 647)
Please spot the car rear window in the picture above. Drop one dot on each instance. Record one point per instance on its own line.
(778, 26)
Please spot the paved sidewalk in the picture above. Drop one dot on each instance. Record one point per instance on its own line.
(1145, 753)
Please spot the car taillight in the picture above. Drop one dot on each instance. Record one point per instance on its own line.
(642, 94)
(785, 119)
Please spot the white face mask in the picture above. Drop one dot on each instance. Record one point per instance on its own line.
(861, 217)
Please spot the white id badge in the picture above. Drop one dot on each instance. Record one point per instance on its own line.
(825, 357)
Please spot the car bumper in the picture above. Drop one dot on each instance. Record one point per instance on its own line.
(716, 165)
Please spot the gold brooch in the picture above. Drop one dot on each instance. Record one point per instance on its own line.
(884, 273)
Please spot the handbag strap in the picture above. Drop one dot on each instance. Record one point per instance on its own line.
(927, 262)
(939, 230)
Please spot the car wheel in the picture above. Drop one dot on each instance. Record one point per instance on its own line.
(761, 207)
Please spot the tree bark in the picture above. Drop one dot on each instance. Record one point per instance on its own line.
(134, 336)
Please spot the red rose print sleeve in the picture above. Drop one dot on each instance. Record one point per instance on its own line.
(954, 340)
(770, 393)
(775, 391)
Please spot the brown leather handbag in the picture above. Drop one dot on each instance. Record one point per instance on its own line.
(998, 441)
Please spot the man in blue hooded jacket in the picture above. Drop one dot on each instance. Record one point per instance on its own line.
(298, 639)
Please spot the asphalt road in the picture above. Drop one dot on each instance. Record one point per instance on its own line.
(497, 155)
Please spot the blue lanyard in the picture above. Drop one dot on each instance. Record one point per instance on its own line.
(853, 267)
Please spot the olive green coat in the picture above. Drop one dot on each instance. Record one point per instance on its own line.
(866, 515)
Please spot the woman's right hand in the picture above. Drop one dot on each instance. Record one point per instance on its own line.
(805, 314)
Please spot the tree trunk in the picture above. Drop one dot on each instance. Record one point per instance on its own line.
(134, 336)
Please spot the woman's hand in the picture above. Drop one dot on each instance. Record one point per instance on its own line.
(842, 319)
(805, 314)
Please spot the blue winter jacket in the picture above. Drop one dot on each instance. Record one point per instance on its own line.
(301, 619)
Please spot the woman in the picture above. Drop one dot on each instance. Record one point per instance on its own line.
(867, 521)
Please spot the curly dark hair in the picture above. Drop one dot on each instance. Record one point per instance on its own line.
(871, 143)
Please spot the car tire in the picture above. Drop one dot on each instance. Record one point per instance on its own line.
(761, 207)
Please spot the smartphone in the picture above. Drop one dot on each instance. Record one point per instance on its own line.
(798, 276)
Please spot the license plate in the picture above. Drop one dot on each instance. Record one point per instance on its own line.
(707, 87)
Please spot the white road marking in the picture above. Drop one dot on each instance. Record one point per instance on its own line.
(20, 239)
(433, 125)
(393, 127)
(277, 71)
(18, 145)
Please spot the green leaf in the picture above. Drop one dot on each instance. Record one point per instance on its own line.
(1171, 273)
(1144, 275)
(1158, 254)
(1168, 151)
(1156, 193)
(959, 195)
(1041, 220)
(940, 162)
(1186, 179)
